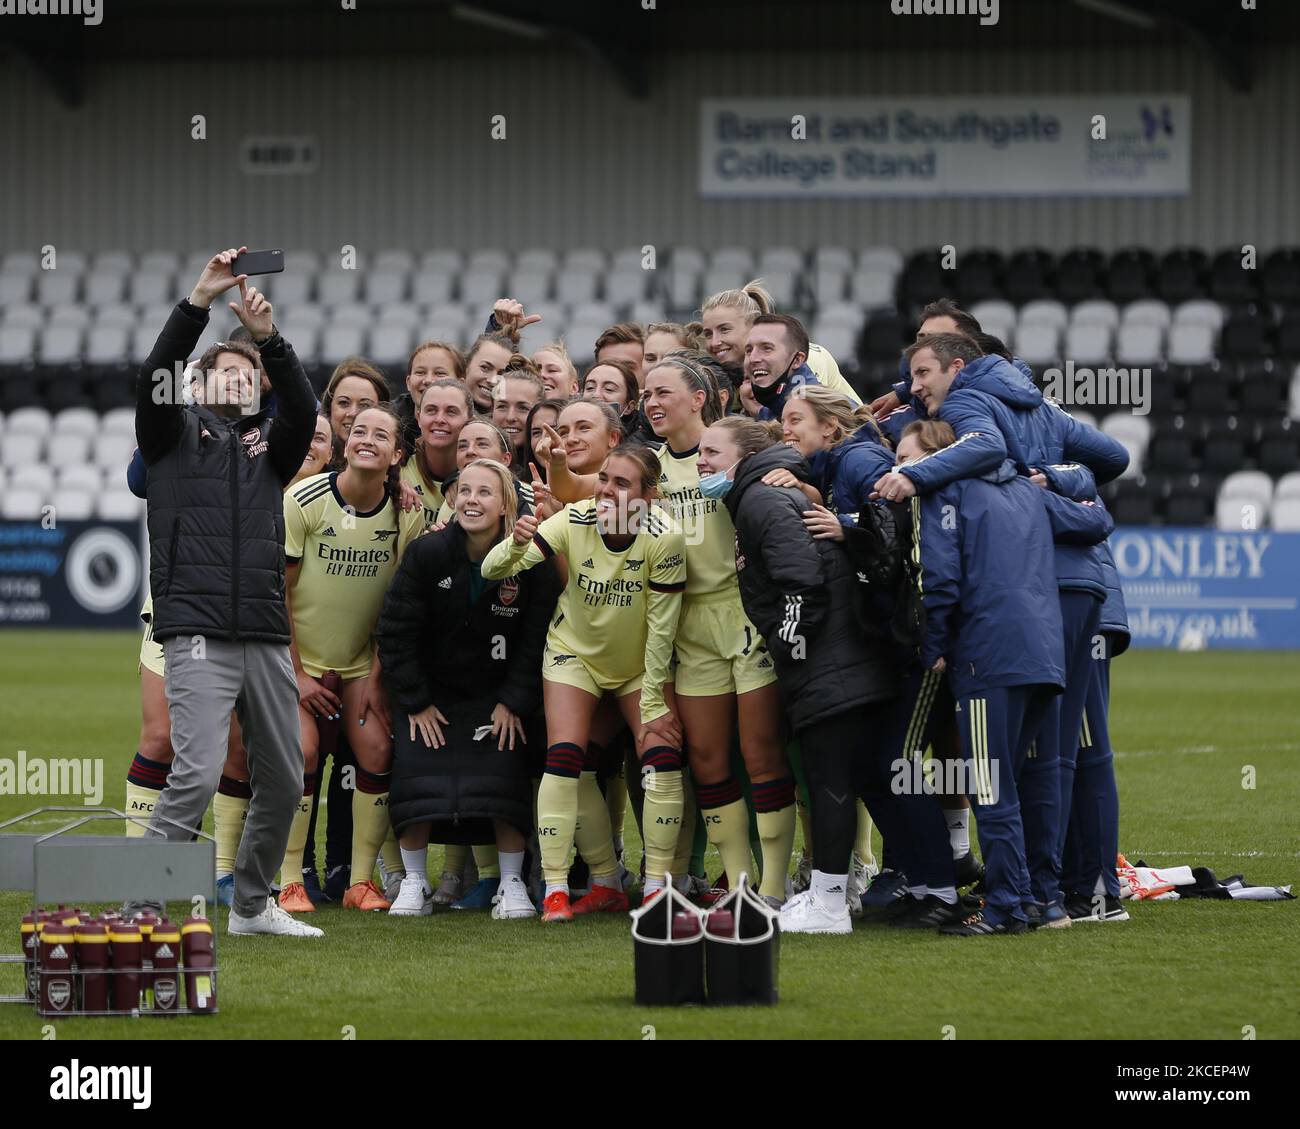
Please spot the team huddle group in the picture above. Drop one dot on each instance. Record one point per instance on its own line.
(700, 580)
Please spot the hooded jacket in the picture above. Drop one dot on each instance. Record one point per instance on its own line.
(215, 502)
(996, 413)
(988, 580)
(801, 595)
(847, 473)
(772, 399)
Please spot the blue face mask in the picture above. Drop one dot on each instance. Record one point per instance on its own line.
(717, 485)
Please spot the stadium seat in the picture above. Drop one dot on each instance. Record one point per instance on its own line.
(1079, 274)
(1279, 277)
(923, 280)
(623, 287)
(683, 284)
(1129, 277)
(849, 314)
(68, 317)
(1045, 311)
(289, 289)
(119, 421)
(58, 287)
(106, 345)
(339, 341)
(1190, 344)
(431, 287)
(81, 477)
(647, 311)
(591, 260)
(530, 285)
(76, 421)
(62, 450)
(1087, 345)
(1200, 311)
(23, 317)
(628, 258)
(17, 344)
(739, 260)
(1027, 276)
(997, 317)
(14, 289)
(1286, 515)
(60, 345)
(72, 505)
(158, 262)
(1264, 393)
(1170, 451)
(120, 505)
(390, 343)
(1207, 390)
(839, 342)
(1230, 281)
(883, 258)
(1188, 507)
(443, 260)
(1098, 311)
(385, 287)
(1139, 345)
(350, 313)
(1224, 452)
(101, 286)
(338, 287)
(1130, 501)
(20, 263)
(489, 260)
(1147, 311)
(1278, 449)
(786, 260)
(601, 312)
(978, 276)
(410, 314)
(828, 284)
(35, 422)
(784, 287)
(883, 338)
(575, 284)
(37, 476)
(113, 451)
(1180, 275)
(1288, 486)
(21, 505)
(1127, 428)
(1038, 345)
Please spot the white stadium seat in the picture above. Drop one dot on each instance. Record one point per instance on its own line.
(530, 285)
(489, 259)
(60, 345)
(1286, 515)
(738, 259)
(780, 259)
(120, 263)
(38, 476)
(481, 287)
(590, 259)
(102, 286)
(120, 505)
(843, 314)
(119, 421)
(628, 258)
(382, 287)
(1139, 344)
(539, 259)
(72, 505)
(1044, 311)
(994, 314)
(401, 313)
(21, 505)
(1190, 343)
(575, 284)
(17, 344)
(1127, 428)
(443, 261)
(1247, 484)
(28, 316)
(339, 341)
(884, 258)
(20, 263)
(431, 286)
(1199, 311)
(835, 258)
(1038, 345)
(14, 288)
(390, 344)
(77, 316)
(30, 421)
(872, 288)
(350, 313)
(62, 450)
(1147, 311)
(828, 283)
(1096, 312)
(717, 279)
(58, 287)
(838, 340)
(288, 290)
(80, 477)
(783, 285)
(158, 262)
(623, 287)
(397, 260)
(145, 289)
(338, 287)
(118, 315)
(107, 345)
(647, 311)
(1288, 486)
(1087, 344)
(113, 451)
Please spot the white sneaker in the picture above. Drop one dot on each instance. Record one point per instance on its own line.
(271, 920)
(512, 901)
(804, 913)
(803, 874)
(692, 886)
(860, 875)
(450, 888)
(414, 897)
(392, 882)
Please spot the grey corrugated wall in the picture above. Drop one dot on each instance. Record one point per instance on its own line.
(407, 159)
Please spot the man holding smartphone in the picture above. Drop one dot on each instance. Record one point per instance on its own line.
(217, 470)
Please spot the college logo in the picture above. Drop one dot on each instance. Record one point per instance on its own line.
(509, 590)
(384, 534)
(633, 566)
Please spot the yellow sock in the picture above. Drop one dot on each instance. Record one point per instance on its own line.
(862, 845)
(370, 824)
(485, 858)
(557, 820)
(291, 868)
(591, 833)
(392, 853)
(776, 833)
(454, 858)
(661, 820)
(728, 830)
(616, 803)
(686, 836)
(139, 802)
(228, 814)
(805, 824)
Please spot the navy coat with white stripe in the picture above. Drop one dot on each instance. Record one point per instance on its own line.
(802, 595)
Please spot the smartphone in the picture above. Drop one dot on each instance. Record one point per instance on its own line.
(258, 262)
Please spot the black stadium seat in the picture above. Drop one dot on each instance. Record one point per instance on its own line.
(1224, 452)
(1170, 451)
(1191, 506)
(1078, 275)
(1130, 276)
(1264, 391)
(1230, 281)
(1028, 276)
(923, 280)
(1288, 337)
(1279, 276)
(1207, 389)
(1243, 337)
(1278, 449)
(1131, 501)
(1180, 276)
(883, 338)
(978, 276)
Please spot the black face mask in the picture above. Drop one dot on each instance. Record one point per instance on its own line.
(772, 393)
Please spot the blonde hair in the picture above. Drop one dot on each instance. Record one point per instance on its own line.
(509, 496)
(749, 435)
(687, 336)
(558, 348)
(751, 300)
(932, 434)
(457, 357)
(830, 406)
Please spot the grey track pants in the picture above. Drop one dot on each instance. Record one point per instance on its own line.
(206, 679)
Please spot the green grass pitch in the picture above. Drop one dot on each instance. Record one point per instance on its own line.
(1188, 728)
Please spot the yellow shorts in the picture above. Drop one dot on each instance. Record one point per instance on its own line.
(570, 670)
(151, 653)
(719, 651)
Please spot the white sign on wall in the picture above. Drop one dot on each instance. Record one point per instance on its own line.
(966, 146)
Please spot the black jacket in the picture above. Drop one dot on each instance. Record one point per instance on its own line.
(802, 595)
(215, 492)
(435, 649)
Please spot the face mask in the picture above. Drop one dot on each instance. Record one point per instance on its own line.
(769, 395)
(717, 485)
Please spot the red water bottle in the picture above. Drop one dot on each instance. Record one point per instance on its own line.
(27, 931)
(54, 969)
(164, 949)
(196, 951)
(328, 728)
(92, 965)
(146, 919)
(126, 941)
(720, 923)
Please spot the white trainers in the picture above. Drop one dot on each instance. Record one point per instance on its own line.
(803, 873)
(272, 920)
(860, 875)
(450, 888)
(414, 897)
(512, 901)
(392, 882)
(804, 913)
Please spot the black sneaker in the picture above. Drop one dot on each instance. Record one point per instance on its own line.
(968, 869)
(579, 878)
(977, 926)
(337, 881)
(928, 913)
(311, 883)
(1033, 914)
(1080, 907)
